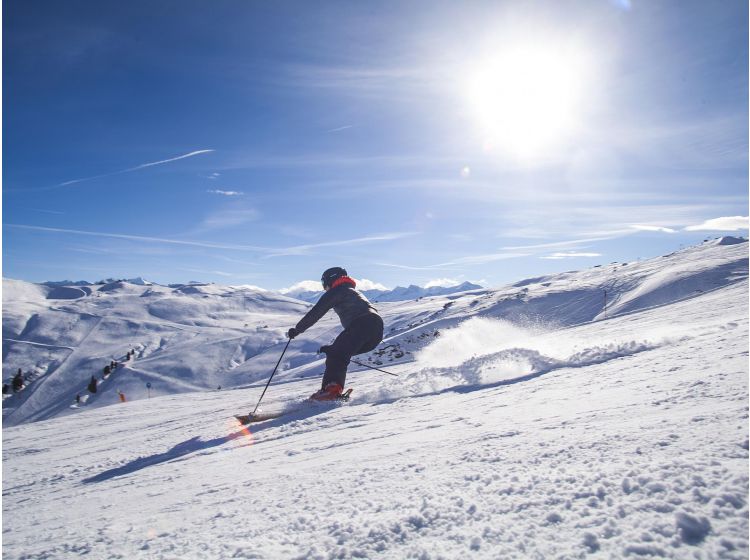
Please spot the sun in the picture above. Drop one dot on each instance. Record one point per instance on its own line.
(526, 99)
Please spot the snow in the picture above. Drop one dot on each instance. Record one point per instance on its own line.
(530, 427)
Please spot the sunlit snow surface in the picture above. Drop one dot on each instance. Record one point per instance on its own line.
(510, 435)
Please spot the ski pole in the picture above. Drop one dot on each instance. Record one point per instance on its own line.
(269, 379)
(376, 369)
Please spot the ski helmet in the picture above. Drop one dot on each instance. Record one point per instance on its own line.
(331, 275)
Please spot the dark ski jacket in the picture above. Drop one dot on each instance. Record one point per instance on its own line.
(18, 382)
(344, 299)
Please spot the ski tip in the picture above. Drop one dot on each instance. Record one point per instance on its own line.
(244, 419)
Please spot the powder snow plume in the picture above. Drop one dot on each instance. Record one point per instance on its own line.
(483, 351)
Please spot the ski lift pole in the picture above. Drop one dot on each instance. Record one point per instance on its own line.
(376, 369)
(269, 379)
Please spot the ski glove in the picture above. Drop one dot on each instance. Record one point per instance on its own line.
(323, 349)
(292, 333)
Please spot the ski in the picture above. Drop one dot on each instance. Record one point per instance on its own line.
(246, 419)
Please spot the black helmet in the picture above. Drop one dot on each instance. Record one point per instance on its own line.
(331, 275)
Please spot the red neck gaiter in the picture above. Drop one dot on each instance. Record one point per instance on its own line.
(343, 280)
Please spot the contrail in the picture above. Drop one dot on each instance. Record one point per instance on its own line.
(341, 128)
(142, 238)
(136, 168)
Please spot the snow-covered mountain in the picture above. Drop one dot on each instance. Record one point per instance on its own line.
(397, 294)
(416, 292)
(199, 337)
(56, 283)
(529, 421)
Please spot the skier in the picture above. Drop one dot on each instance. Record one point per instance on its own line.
(363, 329)
(92, 385)
(18, 381)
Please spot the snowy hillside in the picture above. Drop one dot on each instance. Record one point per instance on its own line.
(200, 337)
(537, 424)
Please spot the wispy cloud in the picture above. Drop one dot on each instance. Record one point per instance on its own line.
(303, 286)
(143, 238)
(267, 251)
(408, 267)
(315, 286)
(365, 284)
(46, 211)
(226, 193)
(384, 82)
(483, 259)
(442, 283)
(653, 228)
(306, 249)
(208, 272)
(570, 255)
(245, 160)
(731, 223)
(227, 218)
(131, 169)
(339, 129)
(707, 142)
(561, 244)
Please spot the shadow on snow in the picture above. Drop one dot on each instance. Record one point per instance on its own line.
(195, 444)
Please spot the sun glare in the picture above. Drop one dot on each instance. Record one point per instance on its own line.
(526, 99)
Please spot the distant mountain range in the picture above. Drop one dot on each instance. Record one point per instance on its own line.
(137, 281)
(397, 294)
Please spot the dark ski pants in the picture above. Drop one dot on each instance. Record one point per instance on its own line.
(363, 335)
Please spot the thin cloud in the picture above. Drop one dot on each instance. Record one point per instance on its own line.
(484, 259)
(305, 249)
(141, 238)
(442, 283)
(407, 267)
(136, 168)
(46, 211)
(270, 251)
(570, 255)
(408, 81)
(339, 129)
(654, 228)
(315, 286)
(207, 272)
(730, 223)
(303, 286)
(560, 244)
(365, 284)
(226, 193)
(226, 218)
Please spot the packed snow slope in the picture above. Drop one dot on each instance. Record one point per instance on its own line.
(586, 436)
(201, 337)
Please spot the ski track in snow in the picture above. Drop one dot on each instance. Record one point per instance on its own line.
(621, 438)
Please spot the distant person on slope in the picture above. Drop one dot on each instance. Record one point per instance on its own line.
(18, 381)
(363, 329)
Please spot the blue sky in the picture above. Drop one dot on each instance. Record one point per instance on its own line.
(410, 142)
